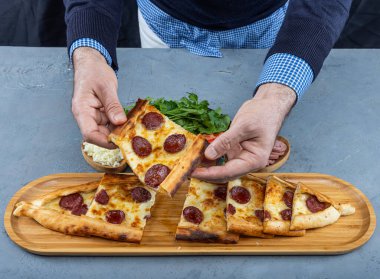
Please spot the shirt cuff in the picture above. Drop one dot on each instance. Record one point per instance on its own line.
(88, 42)
(287, 69)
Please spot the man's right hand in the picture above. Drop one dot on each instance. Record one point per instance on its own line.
(95, 104)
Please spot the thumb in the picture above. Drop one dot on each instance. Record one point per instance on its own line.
(113, 108)
(222, 144)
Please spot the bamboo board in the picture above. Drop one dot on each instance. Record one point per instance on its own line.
(347, 234)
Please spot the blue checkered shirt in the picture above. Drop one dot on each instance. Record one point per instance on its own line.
(280, 68)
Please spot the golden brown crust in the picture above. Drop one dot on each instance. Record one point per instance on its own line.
(255, 178)
(77, 225)
(119, 180)
(241, 226)
(87, 187)
(191, 234)
(279, 227)
(322, 198)
(185, 166)
(132, 116)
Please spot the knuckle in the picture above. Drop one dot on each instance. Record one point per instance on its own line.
(112, 107)
(225, 143)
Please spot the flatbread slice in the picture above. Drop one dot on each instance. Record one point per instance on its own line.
(160, 152)
(245, 206)
(72, 210)
(202, 218)
(278, 203)
(312, 209)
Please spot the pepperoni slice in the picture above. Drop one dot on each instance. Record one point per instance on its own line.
(140, 194)
(221, 193)
(80, 210)
(102, 197)
(262, 214)
(71, 201)
(156, 174)
(288, 198)
(152, 120)
(174, 143)
(314, 205)
(193, 215)
(115, 216)
(286, 214)
(231, 209)
(240, 194)
(141, 146)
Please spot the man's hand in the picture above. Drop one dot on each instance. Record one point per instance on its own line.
(95, 104)
(250, 139)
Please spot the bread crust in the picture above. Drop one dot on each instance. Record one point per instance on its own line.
(77, 225)
(193, 234)
(252, 228)
(86, 187)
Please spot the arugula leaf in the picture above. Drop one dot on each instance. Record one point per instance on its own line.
(192, 114)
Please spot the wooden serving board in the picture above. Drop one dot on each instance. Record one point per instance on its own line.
(347, 234)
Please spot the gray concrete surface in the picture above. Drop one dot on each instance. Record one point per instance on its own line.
(333, 130)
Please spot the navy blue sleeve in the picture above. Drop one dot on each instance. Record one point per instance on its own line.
(95, 19)
(310, 29)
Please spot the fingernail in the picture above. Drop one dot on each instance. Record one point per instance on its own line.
(211, 153)
(119, 117)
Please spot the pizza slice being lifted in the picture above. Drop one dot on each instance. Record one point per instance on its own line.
(160, 152)
(203, 215)
(116, 209)
(278, 205)
(245, 213)
(314, 210)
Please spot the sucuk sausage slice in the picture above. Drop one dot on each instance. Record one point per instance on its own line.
(174, 143)
(286, 214)
(115, 216)
(141, 146)
(102, 197)
(193, 215)
(140, 195)
(288, 198)
(152, 120)
(314, 205)
(80, 210)
(240, 194)
(155, 175)
(221, 193)
(71, 201)
(262, 214)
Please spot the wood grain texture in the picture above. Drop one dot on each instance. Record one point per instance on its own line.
(347, 234)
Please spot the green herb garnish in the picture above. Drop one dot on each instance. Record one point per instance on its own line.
(193, 115)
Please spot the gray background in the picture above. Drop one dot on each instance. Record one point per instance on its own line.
(334, 129)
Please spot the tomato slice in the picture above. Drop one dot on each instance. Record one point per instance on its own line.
(211, 137)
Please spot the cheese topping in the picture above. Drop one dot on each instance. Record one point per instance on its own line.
(120, 199)
(201, 195)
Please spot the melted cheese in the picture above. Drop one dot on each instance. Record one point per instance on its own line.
(120, 199)
(201, 195)
(140, 165)
(299, 204)
(273, 199)
(247, 211)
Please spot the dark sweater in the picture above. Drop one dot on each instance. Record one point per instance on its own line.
(309, 30)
